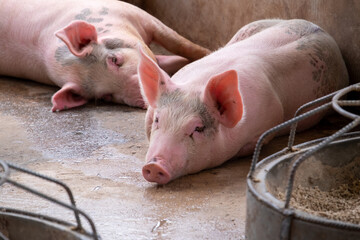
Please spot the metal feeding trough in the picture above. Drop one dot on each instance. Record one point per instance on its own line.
(21, 225)
(324, 164)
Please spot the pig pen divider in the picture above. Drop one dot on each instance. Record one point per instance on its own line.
(337, 104)
(5, 178)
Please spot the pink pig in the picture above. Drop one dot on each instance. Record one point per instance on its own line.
(87, 47)
(217, 107)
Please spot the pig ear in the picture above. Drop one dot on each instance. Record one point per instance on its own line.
(67, 97)
(223, 92)
(78, 37)
(153, 80)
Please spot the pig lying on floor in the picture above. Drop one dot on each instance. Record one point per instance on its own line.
(94, 53)
(217, 107)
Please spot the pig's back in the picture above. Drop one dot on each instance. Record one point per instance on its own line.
(296, 58)
(304, 62)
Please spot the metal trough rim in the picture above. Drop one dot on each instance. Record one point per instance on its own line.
(272, 202)
(53, 223)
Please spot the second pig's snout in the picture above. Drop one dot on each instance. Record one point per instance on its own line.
(154, 171)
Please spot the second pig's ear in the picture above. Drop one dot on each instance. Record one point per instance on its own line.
(153, 80)
(223, 92)
(78, 37)
(67, 97)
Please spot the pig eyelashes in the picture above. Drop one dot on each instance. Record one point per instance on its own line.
(198, 130)
(156, 122)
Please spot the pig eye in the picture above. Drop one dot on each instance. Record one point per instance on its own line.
(156, 123)
(115, 61)
(197, 129)
(200, 129)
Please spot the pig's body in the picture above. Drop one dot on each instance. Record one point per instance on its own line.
(217, 107)
(97, 57)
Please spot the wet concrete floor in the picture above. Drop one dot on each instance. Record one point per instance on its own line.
(98, 150)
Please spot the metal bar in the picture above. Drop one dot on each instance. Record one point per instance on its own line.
(2, 237)
(276, 129)
(335, 102)
(286, 224)
(300, 110)
(293, 122)
(91, 223)
(4, 177)
(349, 103)
(5, 174)
(72, 200)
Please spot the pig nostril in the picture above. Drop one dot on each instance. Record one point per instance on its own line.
(154, 172)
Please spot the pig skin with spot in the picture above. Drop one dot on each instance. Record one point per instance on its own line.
(216, 108)
(86, 47)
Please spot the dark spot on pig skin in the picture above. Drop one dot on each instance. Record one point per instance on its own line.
(108, 25)
(64, 56)
(90, 59)
(322, 57)
(100, 29)
(84, 13)
(87, 85)
(317, 29)
(95, 20)
(301, 28)
(162, 83)
(249, 30)
(104, 11)
(254, 28)
(114, 43)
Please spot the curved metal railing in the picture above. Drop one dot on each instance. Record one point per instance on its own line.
(337, 104)
(5, 178)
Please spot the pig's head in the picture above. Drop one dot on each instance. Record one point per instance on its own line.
(97, 67)
(186, 126)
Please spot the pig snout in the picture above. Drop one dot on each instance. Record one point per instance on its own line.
(155, 171)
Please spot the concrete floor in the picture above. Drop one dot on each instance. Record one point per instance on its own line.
(98, 150)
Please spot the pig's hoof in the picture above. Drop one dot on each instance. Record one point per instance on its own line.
(153, 172)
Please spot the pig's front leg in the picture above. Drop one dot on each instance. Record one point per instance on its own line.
(171, 64)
